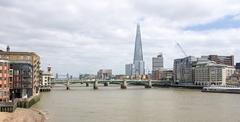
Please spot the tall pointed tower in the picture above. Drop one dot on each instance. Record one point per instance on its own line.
(139, 68)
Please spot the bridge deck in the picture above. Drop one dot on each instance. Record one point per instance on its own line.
(106, 81)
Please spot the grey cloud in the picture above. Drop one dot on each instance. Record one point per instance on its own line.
(82, 36)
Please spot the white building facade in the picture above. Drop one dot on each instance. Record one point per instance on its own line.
(47, 77)
(208, 73)
(157, 62)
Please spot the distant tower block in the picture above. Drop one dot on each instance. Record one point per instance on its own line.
(8, 49)
(56, 75)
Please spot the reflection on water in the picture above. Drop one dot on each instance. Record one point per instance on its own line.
(137, 104)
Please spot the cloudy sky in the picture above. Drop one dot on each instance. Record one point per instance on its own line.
(79, 36)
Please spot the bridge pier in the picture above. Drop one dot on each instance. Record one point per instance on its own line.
(67, 87)
(95, 85)
(124, 85)
(87, 84)
(149, 84)
(106, 84)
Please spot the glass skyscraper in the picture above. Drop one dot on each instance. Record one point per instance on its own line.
(138, 63)
(138, 66)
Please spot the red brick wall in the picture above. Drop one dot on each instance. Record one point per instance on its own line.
(4, 87)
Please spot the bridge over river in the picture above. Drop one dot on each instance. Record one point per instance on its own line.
(95, 83)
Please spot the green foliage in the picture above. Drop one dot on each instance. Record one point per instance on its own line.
(28, 103)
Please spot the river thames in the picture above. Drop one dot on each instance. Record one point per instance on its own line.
(137, 104)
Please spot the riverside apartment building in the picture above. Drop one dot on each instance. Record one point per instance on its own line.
(4, 80)
(26, 71)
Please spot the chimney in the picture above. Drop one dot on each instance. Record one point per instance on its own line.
(8, 49)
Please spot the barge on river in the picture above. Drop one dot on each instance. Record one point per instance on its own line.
(222, 89)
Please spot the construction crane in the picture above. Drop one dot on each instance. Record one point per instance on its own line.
(180, 47)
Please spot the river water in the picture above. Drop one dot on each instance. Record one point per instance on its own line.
(137, 104)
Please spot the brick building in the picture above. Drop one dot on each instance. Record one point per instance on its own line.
(28, 60)
(227, 60)
(4, 80)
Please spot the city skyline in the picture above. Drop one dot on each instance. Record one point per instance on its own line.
(119, 60)
(69, 40)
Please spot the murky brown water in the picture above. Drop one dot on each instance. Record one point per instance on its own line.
(137, 104)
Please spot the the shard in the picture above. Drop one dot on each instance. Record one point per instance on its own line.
(138, 55)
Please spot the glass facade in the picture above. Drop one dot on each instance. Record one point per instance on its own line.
(139, 66)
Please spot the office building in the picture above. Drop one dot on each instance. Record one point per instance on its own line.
(87, 76)
(227, 60)
(157, 62)
(156, 75)
(129, 69)
(121, 77)
(167, 75)
(139, 65)
(137, 68)
(237, 67)
(157, 67)
(163, 74)
(104, 74)
(183, 69)
(208, 73)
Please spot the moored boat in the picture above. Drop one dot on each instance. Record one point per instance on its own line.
(222, 89)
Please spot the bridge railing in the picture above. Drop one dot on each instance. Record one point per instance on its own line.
(72, 81)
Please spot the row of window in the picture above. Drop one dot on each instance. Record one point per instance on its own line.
(4, 64)
(3, 93)
(25, 57)
(15, 72)
(3, 79)
(209, 80)
(207, 83)
(207, 75)
(5, 85)
(19, 57)
(5, 71)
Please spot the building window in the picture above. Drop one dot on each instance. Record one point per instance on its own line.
(10, 72)
(28, 57)
(16, 72)
(10, 78)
